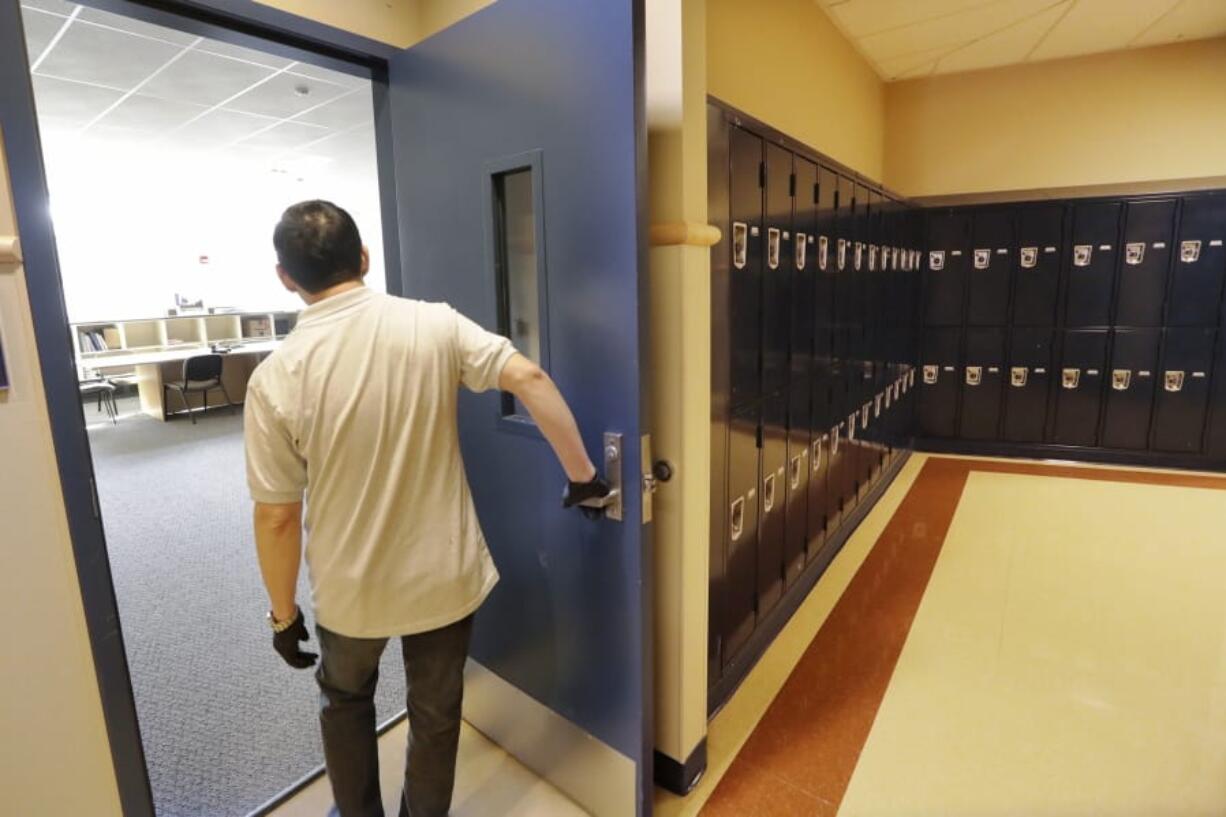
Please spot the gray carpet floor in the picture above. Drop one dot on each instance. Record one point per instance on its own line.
(226, 724)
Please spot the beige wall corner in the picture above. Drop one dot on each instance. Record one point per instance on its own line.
(1123, 117)
(397, 22)
(679, 362)
(56, 757)
(784, 62)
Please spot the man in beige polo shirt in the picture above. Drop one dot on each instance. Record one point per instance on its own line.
(355, 414)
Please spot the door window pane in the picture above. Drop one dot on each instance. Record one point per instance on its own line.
(516, 262)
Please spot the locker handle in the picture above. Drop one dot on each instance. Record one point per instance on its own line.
(817, 455)
(931, 373)
(801, 250)
(982, 259)
(1189, 252)
(798, 468)
(1030, 257)
(864, 411)
(1082, 253)
(1018, 375)
(859, 256)
(936, 260)
(877, 406)
(1134, 252)
(737, 516)
(768, 493)
(872, 257)
(772, 247)
(836, 431)
(851, 426)
(1070, 378)
(823, 251)
(842, 254)
(974, 375)
(740, 244)
(1121, 379)
(1173, 380)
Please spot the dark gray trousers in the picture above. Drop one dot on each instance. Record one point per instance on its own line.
(347, 674)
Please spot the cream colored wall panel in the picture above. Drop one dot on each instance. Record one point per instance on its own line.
(390, 21)
(1004, 47)
(1100, 25)
(1189, 20)
(951, 30)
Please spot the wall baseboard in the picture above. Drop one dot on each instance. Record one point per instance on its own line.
(681, 777)
(1047, 451)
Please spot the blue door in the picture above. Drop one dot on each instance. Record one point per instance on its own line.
(518, 142)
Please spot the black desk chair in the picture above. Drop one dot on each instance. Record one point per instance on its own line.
(200, 374)
(106, 396)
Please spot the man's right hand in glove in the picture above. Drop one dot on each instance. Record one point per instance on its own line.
(286, 642)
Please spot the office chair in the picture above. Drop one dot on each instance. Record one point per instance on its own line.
(106, 397)
(202, 374)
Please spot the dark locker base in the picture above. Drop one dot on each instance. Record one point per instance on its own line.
(764, 634)
(681, 778)
(1047, 451)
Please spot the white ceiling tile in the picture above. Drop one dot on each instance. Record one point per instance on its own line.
(205, 79)
(134, 26)
(40, 29)
(305, 69)
(285, 136)
(61, 104)
(282, 96)
(216, 129)
(1100, 25)
(344, 112)
(240, 53)
(105, 57)
(1003, 48)
(1189, 20)
(147, 116)
(861, 18)
(906, 65)
(952, 30)
(57, 6)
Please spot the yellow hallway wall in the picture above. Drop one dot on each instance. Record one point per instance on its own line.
(1130, 116)
(784, 62)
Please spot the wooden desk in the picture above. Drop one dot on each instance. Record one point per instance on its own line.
(155, 368)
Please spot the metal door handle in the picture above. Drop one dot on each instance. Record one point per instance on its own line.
(610, 503)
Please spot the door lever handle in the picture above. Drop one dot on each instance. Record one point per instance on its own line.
(610, 505)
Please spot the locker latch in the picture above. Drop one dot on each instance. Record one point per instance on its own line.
(768, 493)
(1082, 254)
(864, 414)
(936, 260)
(823, 247)
(817, 453)
(1134, 252)
(1173, 381)
(1030, 257)
(889, 394)
(859, 256)
(930, 373)
(1121, 379)
(1018, 375)
(836, 432)
(910, 378)
(740, 243)
(737, 517)
(772, 247)
(1189, 251)
(872, 257)
(982, 258)
(842, 253)
(974, 374)
(877, 406)
(851, 425)
(896, 257)
(801, 248)
(1069, 378)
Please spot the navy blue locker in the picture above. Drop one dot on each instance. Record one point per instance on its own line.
(1183, 390)
(1091, 269)
(844, 461)
(739, 594)
(777, 277)
(1040, 237)
(772, 503)
(1130, 388)
(1028, 381)
(945, 267)
(804, 270)
(825, 252)
(745, 286)
(987, 298)
(937, 383)
(1149, 229)
(824, 515)
(796, 477)
(1215, 435)
(982, 382)
(1199, 263)
(1079, 381)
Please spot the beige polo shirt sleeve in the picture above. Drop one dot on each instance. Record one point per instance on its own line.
(276, 472)
(482, 354)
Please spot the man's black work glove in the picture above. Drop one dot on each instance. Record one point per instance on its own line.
(286, 643)
(579, 492)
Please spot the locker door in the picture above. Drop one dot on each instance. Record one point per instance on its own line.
(945, 267)
(1037, 278)
(773, 501)
(821, 520)
(804, 270)
(1183, 390)
(937, 382)
(1149, 228)
(1078, 385)
(1215, 437)
(1091, 267)
(843, 460)
(1130, 388)
(991, 266)
(796, 536)
(824, 260)
(740, 591)
(981, 383)
(1027, 383)
(778, 270)
(842, 484)
(823, 512)
(745, 285)
(1199, 262)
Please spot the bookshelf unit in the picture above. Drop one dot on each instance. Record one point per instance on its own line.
(109, 341)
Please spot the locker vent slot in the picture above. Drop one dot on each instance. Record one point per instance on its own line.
(772, 247)
(740, 244)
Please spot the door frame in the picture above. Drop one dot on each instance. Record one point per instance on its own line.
(240, 22)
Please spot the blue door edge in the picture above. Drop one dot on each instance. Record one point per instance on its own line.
(74, 465)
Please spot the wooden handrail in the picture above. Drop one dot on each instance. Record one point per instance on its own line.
(684, 233)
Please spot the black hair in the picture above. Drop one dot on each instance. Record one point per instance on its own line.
(318, 245)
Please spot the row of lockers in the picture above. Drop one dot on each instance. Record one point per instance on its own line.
(813, 293)
(1148, 262)
(1131, 389)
